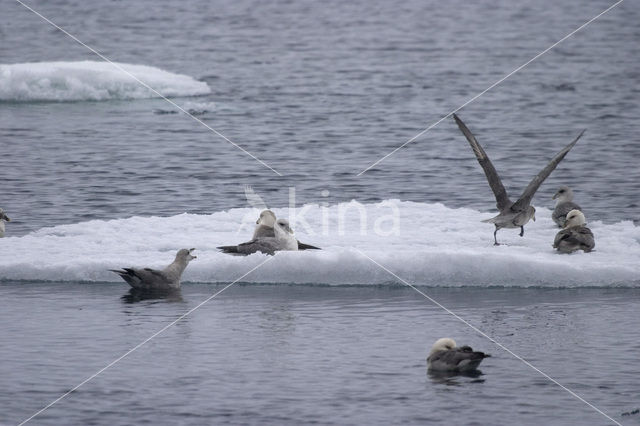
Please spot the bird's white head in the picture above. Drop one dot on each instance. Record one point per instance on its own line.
(283, 224)
(443, 344)
(563, 194)
(574, 218)
(267, 218)
(3, 216)
(185, 255)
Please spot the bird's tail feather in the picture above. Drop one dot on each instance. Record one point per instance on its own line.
(228, 249)
(303, 246)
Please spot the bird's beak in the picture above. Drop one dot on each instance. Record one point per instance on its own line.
(554, 196)
(534, 217)
(5, 217)
(190, 251)
(258, 222)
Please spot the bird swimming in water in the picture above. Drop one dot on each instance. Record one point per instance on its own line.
(264, 228)
(575, 235)
(446, 356)
(165, 279)
(283, 240)
(512, 214)
(564, 204)
(3, 218)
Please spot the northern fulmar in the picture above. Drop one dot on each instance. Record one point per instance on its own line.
(512, 214)
(575, 235)
(282, 240)
(264, 228)
(564, 204)
(3, 218)
(446, 356)
(152, 279)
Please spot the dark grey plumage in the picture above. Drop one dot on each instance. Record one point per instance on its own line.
(152, 279)
(574, 239)
(575, 235)
(559, 214)
(512, 214)
(446, 356)
(564, 205)
(267, 245)
(283, 240)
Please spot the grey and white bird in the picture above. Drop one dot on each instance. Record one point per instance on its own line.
(264, 228)
(512, 214)
(564, 204)
(152, 279)
(265, 224)
(3, 218)
(446, 356)
(575, 235)
(283, 240)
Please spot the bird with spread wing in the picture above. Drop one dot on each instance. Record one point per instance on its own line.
(512, 214)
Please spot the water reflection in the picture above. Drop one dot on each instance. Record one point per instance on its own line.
(452, 378)
(137, 295)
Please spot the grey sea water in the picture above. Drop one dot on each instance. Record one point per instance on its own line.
(319, 91)
(282, 354)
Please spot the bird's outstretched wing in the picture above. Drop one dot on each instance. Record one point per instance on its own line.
(254, 199)
(529, 192)
(502, 199)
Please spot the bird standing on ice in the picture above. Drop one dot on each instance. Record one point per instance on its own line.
(151, 279)
(518, 214)
(3, 218)
(564, 204)
(446, 356)
(575, 235)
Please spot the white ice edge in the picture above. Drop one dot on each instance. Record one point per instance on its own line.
(91, 81)
(434, 245)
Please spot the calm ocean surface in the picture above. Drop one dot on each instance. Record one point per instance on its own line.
(298, 354)
(319, 91)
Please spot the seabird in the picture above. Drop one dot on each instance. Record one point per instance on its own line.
(265, 225)
(3, 218)
(512, 215)
(151, 279)
(564, 204)
(446, 356)
(283, 240)
(575, 235)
